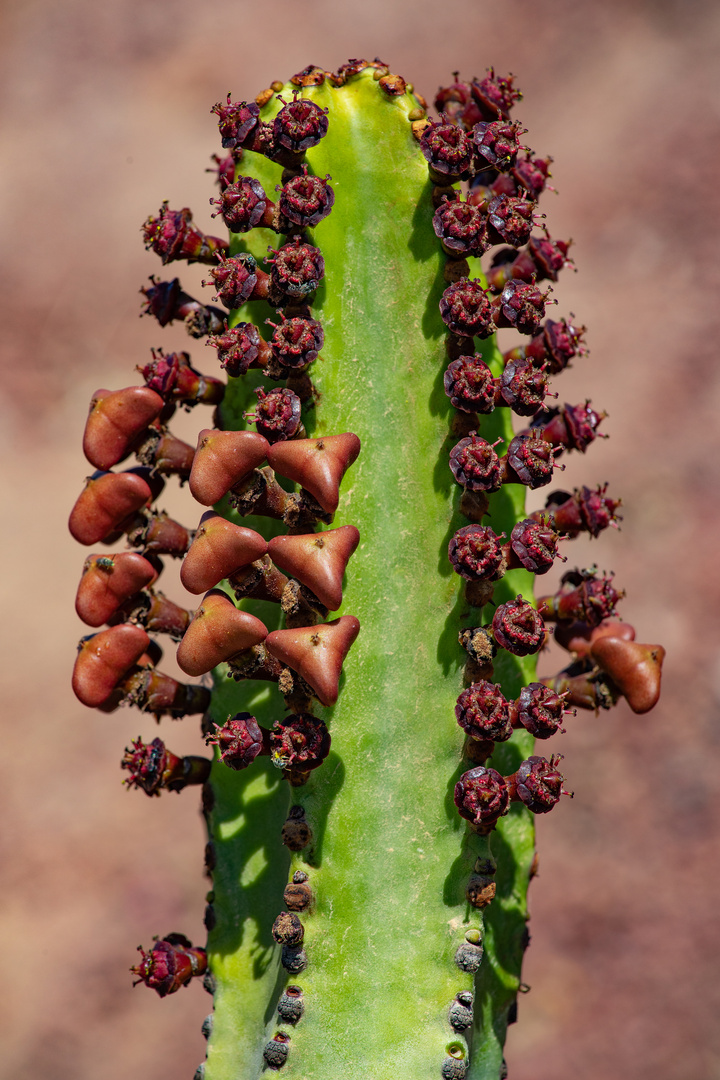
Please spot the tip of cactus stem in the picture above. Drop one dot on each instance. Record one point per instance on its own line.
(217, 632)
(219, 548)
(222, 460)
(318, 465)
(316, 653)
(317, 560)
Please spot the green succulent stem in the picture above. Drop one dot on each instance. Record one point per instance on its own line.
(390, 857)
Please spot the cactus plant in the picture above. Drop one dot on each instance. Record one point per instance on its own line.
(367, 564)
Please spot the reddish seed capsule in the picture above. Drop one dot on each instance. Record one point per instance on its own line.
(470, 385)
(239, 741)
(105, 503)
(540, 710)
(236, 120)
(460, 227)
(531, 460)
(277, 415)
(466, 310)
(484, 712)
(108, 581)
(297, 270)
(306, 200)
(497, 143)
(447, 149)
(300, 125)
(170, 964)
(243, 205)
(510, 220)
(299, 741)
(317, 464)
(633, 667)
(520, 306)
(481, 796)
(173, 236)
(116, 421)
(476, 553)
(534, 544)
(104, 659)
(316, 653)
(539, 784)
(235, 279)
(523, 387)
(475, 465)
(296, 342)
(518, 628)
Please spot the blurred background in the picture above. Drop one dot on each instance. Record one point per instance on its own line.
(105, 111)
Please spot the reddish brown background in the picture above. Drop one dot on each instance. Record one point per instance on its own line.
(105, 111)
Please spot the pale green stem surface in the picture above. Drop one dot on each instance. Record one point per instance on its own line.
(391, 857)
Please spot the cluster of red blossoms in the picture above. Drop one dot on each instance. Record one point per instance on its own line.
(475, 142)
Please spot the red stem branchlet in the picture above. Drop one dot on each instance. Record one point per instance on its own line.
(153, 767)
